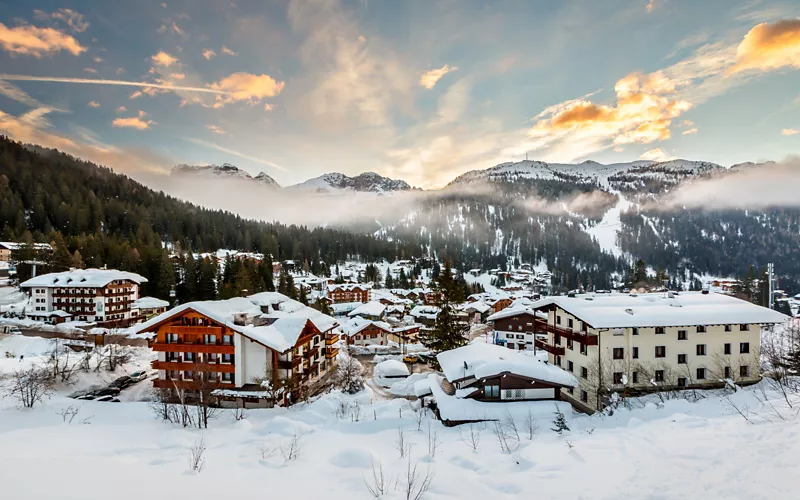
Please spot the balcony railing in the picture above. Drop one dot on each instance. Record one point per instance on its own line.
(195, 330)
(331, 352)
(552, 349)
(193, 347)
(582, 337)
(197, 367)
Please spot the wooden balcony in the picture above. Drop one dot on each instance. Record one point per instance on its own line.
(582, 337)
(331, 352)
(195, 330)
(331, 338)
(552, 349)
(189, 384)
(196, 367)
(191, 347)
(311, 352)
(289, 365)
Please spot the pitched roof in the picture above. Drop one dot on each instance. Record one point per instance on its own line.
(373, 308)
(482, 360)
(618, 310)
(85, 278)
(149, 303)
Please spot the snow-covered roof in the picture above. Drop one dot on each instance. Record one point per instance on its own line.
(14, 245)
(482, 360)
(149, 303)
(391, 368)
(373, 308)
(510, 311)
(48, 314)
(344, 307)
(348, 287)
(358, 323)
(285, 320)
(478, 306)
(84, 278)
(618, 310)
(427, 312)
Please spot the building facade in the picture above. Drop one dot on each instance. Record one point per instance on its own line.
(103, 296)
(634, 344)
(344, 293)
(265, 347)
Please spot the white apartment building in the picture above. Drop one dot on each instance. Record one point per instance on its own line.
(94, 295)
(637, 343)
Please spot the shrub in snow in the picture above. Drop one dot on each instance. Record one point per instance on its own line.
(348, 376)
(560, 422)
(30, 386)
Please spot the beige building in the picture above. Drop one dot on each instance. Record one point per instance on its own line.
(638, 343)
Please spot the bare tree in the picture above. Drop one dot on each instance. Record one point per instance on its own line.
(530, 425)
(266, 452)
(472, 437)
(162, 406)
(30, 386)
(379, 485)
(205, 408)
(507, 442)
(348, 375)
(196, 452)
(432, 439)
(291, 449)
(402, 445)
(239, 412)
(419, 416)
(69, 413)
(416, 484)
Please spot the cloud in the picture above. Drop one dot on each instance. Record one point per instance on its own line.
(228, 52)
(90, 70)
(36, 42)
(94, 104)
(268, 106)
(136, 122)
(246, 87)
(790, 131)
(208, 54)
(429, 78)
(178, 30)
(689, 131)
(71, 18)
(657, 154)
(651, 4)
(744, 188)
(769, 46)
(126, 83)
(163, 59)
(453, 102)
(19, 95)
(215, 129)
(233, 152)
(122, 109)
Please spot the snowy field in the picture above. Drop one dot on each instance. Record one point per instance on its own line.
(674, 449)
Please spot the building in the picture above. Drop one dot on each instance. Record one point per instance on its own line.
(104, 296)
(636, 343)
(7, 247)
(146, 307)
(425, 316)
(490, 373)
(363, 332)
(343, 293)
(234, 346)
(374, 310)
(513, 328)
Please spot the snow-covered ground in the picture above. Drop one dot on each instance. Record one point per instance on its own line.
(675, 450)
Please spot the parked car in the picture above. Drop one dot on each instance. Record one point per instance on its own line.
(138, 376)
(121, 382)
(10, 329)
(108, 399)
(108, 391)
(87, 397)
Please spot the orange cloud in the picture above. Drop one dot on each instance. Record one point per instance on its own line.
(790, 131)
(208, 54)
(769, 46)
(246, 87)
(122, 109)
(228, 52)
(215, 129)
(429, 78)
(134, 122)
(163, 59)
(94, 104)
(689, 132)
(36, 42)
(71, 18)
(650, 5)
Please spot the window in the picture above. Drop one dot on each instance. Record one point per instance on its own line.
(661, 351)
(744, 371)
(727, 348)
(744, 348)
(173, 356)
(660, 330)
(727, 372)
(509, 345)
(558, 320)
(681, 359)
(189, 357)
(744, 328)
(701, 329)
(701, 349)
(211, 357)
(701, 374)
(509, 335)
(583, 349)
(659, 375)
(227, 358)
(681, 381)
(520, 336)
(635, 377)
(618, 377)
(172, 338)
(519, 328)
(571, 390)
(619, 353)
(227, 377)
(558, 360)
(728, 328)
(491, 391)
(226, 339)
(188, 375)
(570, 323)
(210, 339)
(584, 396)
(584, 372)
(635, 331)
(570, 366)
(172, 375)
(569, 344)
(681, 334)
(635, 353)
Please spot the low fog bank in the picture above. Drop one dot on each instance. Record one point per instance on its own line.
(756, 187)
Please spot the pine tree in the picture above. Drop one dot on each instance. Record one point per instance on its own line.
(560, 422)
(448, 333)
(302, 295)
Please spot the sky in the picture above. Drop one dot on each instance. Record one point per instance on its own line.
(417, 90)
